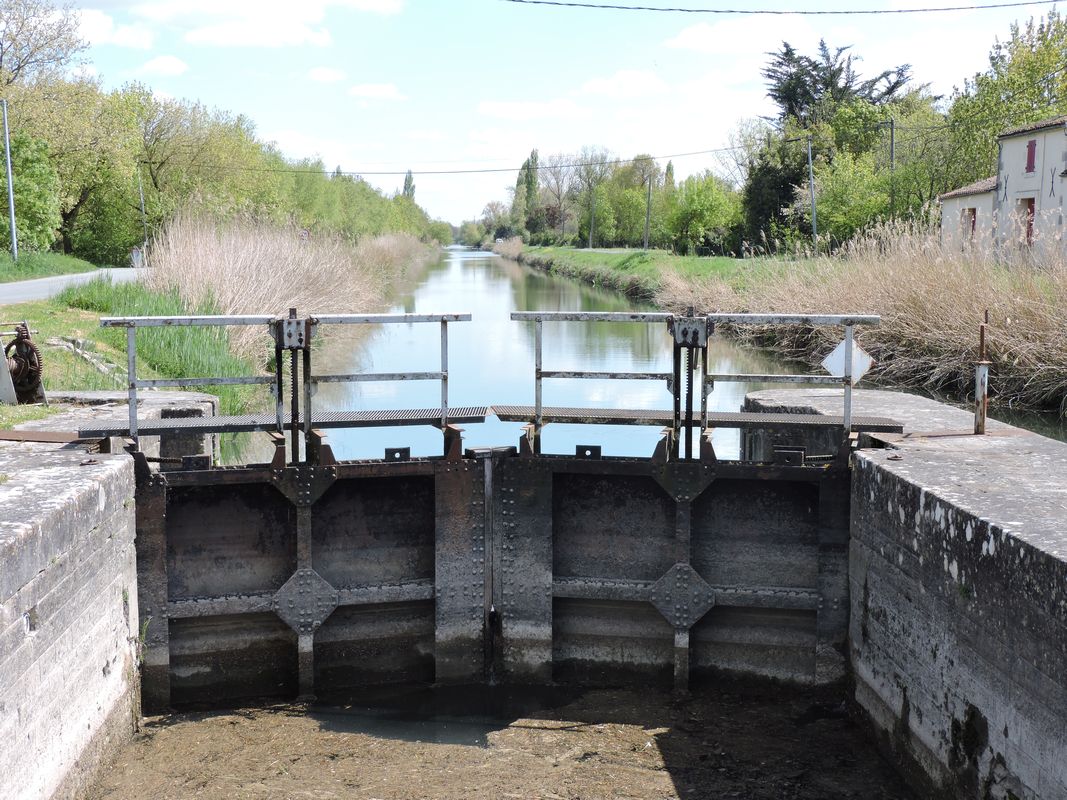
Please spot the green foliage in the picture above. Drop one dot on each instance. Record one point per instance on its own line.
(472, 233)
(850, 194)
(170, 352)
(441, 232)
(409, 186)
(36, 189)
(708, 214)
(809, 89)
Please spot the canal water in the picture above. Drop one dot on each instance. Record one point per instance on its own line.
(491, 361)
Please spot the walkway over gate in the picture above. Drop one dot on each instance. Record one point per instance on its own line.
(313, 575)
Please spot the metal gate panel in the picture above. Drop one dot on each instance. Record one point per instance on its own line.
(279, 581)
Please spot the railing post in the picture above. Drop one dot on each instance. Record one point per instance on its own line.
(847, 413)
(131, 368)
(537, 381)
(981, 380)
(444, 375)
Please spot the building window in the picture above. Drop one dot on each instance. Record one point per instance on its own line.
(1031, 155)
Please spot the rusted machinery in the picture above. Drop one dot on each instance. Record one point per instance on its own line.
(20, 382)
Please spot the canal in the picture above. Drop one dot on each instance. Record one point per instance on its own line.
(491, 361)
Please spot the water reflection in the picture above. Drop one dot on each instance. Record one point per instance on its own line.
(491, 361)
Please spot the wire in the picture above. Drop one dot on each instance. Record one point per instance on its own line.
(606, 162)
(776, 12)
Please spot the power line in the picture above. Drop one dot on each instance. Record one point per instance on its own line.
(606, 162)
(776, 12)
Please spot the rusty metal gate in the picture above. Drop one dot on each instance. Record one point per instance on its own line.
(310, 575)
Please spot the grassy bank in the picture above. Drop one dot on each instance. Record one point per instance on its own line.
(203, 267)
(931, 299)
(638, 273)
(40, 265)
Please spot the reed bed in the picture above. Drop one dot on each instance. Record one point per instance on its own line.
(243, 267)
(931, 298)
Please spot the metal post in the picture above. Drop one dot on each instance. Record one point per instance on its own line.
(648, 210)
(309, 386)
(847, 414)
(814, 216)
(892, 166)
(131, 370)
(689, 374)
(704, 390)
(537, 378)
(10, 188)
(144, 216)
(592, 219)
(294, 402)
(279, 381)
(981, 381)
(444, 375)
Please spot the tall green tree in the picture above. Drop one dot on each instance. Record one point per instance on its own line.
(409, 186)
(35, 185)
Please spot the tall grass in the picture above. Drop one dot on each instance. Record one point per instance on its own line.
(168, 352)
(931, 298)
(242, 267)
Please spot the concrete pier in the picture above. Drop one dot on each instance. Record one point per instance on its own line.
(958, 586)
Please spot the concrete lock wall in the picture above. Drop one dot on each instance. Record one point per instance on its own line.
(958, 585)
(69, 635)
(68, 617)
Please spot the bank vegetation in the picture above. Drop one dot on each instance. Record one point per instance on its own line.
(931, 299)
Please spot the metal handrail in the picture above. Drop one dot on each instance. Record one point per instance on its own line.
(132, 323)
(848, 321)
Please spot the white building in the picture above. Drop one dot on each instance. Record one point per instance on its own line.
(1022, 205)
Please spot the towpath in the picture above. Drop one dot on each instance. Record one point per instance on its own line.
(43, 288)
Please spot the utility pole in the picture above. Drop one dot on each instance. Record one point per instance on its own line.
(592, 219)
(144, 217)
(648, 210)
(892, 167)
(811, 184)
(10, 187)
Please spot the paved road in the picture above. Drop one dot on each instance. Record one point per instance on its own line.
(43, 288)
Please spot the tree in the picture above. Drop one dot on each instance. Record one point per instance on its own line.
(558, 179)
(36, 188)
(37, 39)
(708, 213)
(530, 185)
(806, 88)
(850, 193)
(409, 186)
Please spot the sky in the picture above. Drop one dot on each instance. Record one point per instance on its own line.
(390, 85)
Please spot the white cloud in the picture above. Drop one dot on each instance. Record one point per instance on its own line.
(376, 91)
(626, 83)
(260, 32)
(98, 28)
(526, 110)
(256, 23)
(170, 66)
(325, 75)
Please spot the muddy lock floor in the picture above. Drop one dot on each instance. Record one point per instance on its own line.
(732, 741)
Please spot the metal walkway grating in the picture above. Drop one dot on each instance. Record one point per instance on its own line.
(716, 419)
(267, 422)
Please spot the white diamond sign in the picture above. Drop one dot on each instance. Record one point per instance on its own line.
(861, 362)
